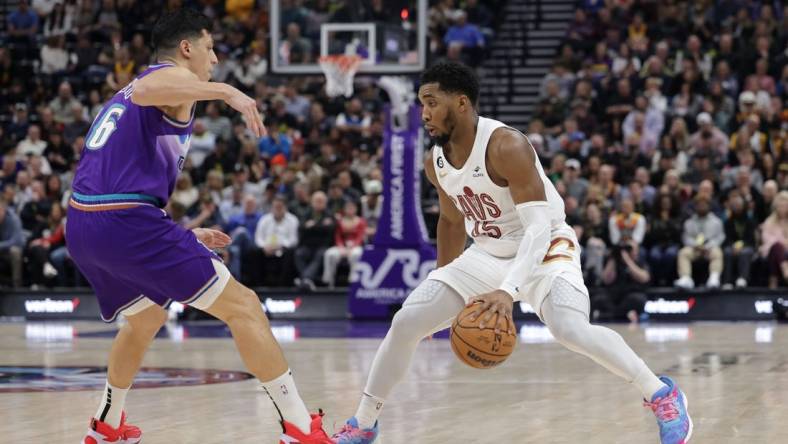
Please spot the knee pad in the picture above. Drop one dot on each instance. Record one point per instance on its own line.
(564, 294)
(426, 292)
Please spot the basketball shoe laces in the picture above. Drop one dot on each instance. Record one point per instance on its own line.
(665, 408)
(322, 434)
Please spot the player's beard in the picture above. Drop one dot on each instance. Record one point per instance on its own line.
(442, 139)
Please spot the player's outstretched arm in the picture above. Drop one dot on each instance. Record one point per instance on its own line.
(178, 86)
(451, 224)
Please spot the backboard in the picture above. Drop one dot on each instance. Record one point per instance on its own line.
(389, 35)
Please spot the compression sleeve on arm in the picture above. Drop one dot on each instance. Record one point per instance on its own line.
(535, 217)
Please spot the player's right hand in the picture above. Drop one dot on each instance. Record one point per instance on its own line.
(494, 308)
(247, 106)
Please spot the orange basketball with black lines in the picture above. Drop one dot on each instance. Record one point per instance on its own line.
(480, 348)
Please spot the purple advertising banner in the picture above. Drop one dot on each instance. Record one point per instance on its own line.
(400, 256)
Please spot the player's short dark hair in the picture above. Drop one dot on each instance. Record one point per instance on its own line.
(453, 77)
(174, 26)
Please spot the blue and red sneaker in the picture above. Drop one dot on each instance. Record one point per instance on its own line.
(352, 434)
(670, 407)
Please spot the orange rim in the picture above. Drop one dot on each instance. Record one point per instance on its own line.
(343, 62)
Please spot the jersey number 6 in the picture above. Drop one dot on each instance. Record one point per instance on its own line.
(104, 126)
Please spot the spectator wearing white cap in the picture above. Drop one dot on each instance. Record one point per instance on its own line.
(707, 132)
(746, 108)
(576, 186)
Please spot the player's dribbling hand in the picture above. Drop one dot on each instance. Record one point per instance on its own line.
(212, 238)
(247, 106)
(494, 307)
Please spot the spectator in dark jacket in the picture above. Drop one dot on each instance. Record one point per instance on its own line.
(664, 239)
(624, 277)
(12, 240)
(316, 236)
(34, 213)
(594, 239)
(38, 250)
(739, 244)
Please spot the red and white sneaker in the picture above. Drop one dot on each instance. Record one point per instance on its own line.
(293, 435)
(103, 433)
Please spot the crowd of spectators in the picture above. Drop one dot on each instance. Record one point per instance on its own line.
(299, 203)
(663, 124)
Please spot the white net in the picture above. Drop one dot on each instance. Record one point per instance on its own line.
(400, 91)
(339, 71)
(401, 95)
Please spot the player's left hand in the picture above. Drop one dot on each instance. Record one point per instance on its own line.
(212, 238)
(494, 304)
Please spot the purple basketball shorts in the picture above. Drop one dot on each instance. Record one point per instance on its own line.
(134, 255)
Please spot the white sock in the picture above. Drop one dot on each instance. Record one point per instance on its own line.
(288, 403)
(368, 411)
(111, 406)
(648, 383)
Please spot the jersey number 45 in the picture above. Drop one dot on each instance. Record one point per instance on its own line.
(486, 228)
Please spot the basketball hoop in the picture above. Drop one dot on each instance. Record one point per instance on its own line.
(339, 71)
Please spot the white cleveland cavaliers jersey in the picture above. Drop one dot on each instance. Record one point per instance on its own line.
(490, 215)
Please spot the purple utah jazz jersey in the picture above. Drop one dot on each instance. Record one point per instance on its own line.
(133, 149)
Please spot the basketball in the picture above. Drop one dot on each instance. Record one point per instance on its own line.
(479, 348)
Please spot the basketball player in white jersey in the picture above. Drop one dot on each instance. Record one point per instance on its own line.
(492, 188)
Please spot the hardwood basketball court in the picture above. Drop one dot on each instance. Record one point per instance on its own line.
(735, 376)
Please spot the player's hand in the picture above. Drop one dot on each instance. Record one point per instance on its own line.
(248, 107)
(212, 238)
(494, 308)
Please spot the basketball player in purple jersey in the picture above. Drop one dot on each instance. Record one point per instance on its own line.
(136, 258)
